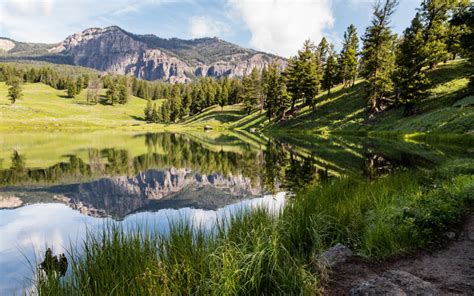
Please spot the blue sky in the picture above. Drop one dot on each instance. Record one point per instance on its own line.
(276, 26)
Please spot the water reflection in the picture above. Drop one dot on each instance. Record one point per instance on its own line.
(177, 170)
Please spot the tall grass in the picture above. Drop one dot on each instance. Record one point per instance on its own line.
(256, 252)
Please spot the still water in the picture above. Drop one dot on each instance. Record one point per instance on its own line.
(54, 187)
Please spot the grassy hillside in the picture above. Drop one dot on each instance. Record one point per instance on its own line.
(44, 107)
(215, 117)
(447, 109)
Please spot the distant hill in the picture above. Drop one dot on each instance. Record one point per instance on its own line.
(115, 50)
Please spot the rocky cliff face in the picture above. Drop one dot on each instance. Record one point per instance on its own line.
(149, 57)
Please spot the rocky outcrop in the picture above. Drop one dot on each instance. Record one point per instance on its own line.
(149, 57)
(394, 282)
(6, 45)
(335, 255)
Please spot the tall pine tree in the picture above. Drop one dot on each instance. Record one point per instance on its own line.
(148, 111)
(330, 70)
(466, 18)
(251, 90)
(348, 56)
(378, 54)
(434, 15)
(410, 79)
(302, 76)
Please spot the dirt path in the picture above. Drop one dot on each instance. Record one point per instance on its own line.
(449, 268)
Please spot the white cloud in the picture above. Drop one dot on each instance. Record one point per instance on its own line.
(281, 26)
(51, 21)
(202, 26)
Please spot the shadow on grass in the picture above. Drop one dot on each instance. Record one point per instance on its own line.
(139, 118)
(218, 115)
(341, 105)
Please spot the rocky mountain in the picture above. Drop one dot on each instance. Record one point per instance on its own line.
(149, 57)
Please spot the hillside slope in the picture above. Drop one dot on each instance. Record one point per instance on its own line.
(447, 109)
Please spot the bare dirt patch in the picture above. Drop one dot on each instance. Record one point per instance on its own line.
(449, 267)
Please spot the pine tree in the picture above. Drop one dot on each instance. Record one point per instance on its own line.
(15, 90)
(411, 81)
(323, 51)
(293, 80)
(175, 104)
(122, 93)
(330, 70)
(456, 30)
(155, 115)
(79, 84)
(348, 56)
(148, 111)
(466, 18)
(186, 102)
(302, 76)
(378, 54)
(224, 98)
(112, 93)
(165, 112)
(434, 15)
(310, 80)
(71, 89)
(251, 90)
(271, 82)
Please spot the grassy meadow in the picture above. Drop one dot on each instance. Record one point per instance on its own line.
(43, 107)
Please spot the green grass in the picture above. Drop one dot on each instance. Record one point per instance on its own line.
(215, 117)
(446, 109)
(256, 253)
(43, 107)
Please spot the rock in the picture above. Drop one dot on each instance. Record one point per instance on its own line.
(149, 57)
(335, 255)
(394, 282)
(376, 286)
(410, 284)
(6, 45)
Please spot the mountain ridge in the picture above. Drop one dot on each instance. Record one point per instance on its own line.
(115, 50)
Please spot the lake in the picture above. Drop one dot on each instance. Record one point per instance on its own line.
(55, 187)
